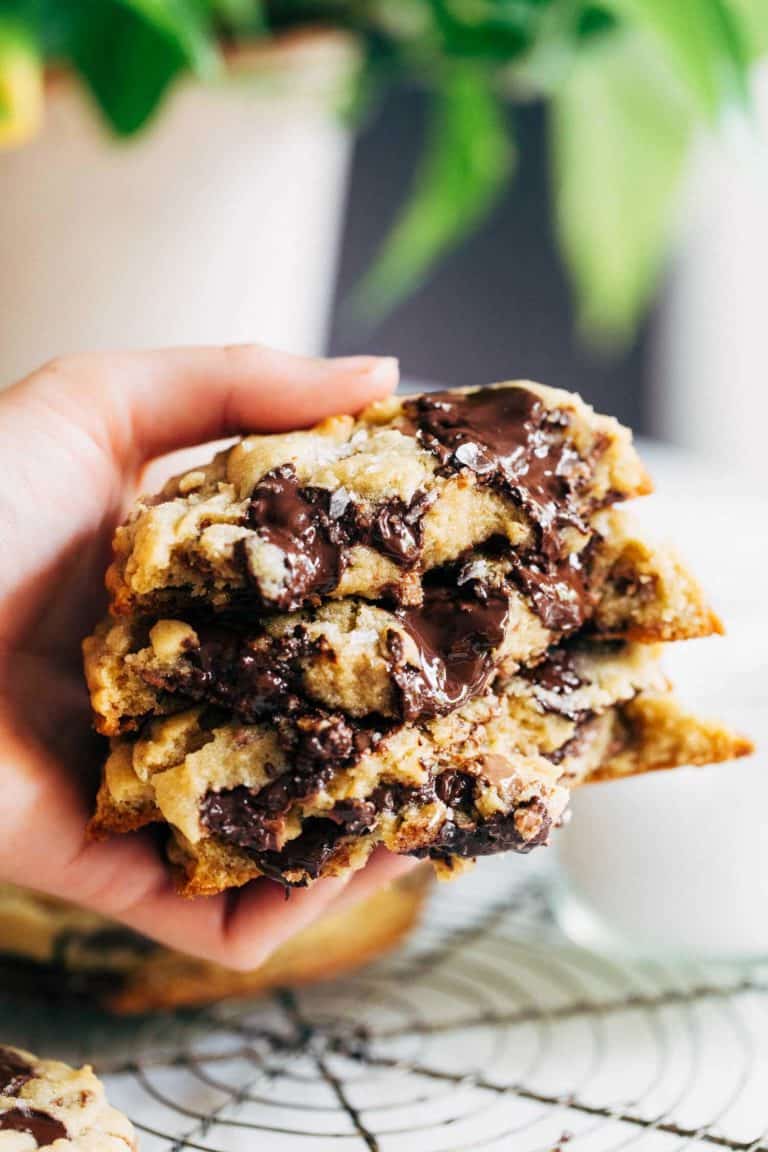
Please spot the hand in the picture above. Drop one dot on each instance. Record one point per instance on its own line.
(73, 438)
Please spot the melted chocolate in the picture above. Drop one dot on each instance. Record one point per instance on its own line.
(557, 673)
(14, 1072)
(510, 439)
(498, 834)
(319, 744)
(554, 680)
(294, 520)
(254, 820)
(456, 632)
(239, 816)
(512, 442)
(307, 853)
(251, 676)
(557, 589)
(506, 436)
(315, 528)
(42, 1127)
(397, 529)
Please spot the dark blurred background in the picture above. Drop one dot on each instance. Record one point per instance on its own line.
(497, 307)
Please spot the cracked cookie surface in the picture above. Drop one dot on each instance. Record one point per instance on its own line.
(311, 797)
(364, 507)
(409, 663)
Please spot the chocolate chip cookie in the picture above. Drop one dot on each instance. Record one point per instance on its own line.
(46, 1104)
(411, 663)
(365, 507)
(418, 628)
(311, 795)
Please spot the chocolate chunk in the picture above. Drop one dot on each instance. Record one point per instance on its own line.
(355, 816)
(508, 438)
(239, 816)
(512, 442)
(556, 673)
(39, 1125)
(308, 852)
(554, 680)
(557, 588)
(498, 834)
(322, 742)
(297, 521)
(397, 529)
(456, 631)
(250, 675)
(455, 789)
(14, 1072)
(315, 528)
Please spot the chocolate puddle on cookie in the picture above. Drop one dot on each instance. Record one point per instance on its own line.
(510, 439)
(456, 632)
(512, 442)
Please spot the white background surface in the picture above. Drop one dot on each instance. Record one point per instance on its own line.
(683, 857)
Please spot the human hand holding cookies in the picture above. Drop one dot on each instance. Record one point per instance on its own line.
(73, 438)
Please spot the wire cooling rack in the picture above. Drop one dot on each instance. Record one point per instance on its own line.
(489, 1031)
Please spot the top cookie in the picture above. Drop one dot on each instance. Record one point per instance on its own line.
(365, 506)
(46, 1104)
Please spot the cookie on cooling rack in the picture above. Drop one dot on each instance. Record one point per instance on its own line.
(53, 948)
(45, 1104)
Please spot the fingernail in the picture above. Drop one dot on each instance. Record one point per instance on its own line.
(378, 368)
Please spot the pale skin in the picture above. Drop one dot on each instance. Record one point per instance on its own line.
(74, 437)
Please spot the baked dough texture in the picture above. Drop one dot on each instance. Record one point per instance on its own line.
(69, 951)
(419, 628)
(45, 1104)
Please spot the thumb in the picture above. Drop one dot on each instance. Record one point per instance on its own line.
(138, 405)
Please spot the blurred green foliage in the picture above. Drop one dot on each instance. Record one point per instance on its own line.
(628, 84)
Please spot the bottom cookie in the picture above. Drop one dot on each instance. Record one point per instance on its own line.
(52, 945)
(45, 1104)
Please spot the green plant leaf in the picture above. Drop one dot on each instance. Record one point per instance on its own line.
(487, 29)
(240, 15)
(754, 19)
(129, 52)
(621, 126)
(186, 24)
(468, 159)
(704, 42)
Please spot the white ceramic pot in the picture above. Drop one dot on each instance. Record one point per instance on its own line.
(677, 862)
(219, 223)
(711, 353)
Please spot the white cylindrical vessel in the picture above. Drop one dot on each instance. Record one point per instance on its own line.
(676, 863)
(219, 223)
(711, 348)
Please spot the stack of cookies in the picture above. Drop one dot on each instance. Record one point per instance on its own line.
(418, 628)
